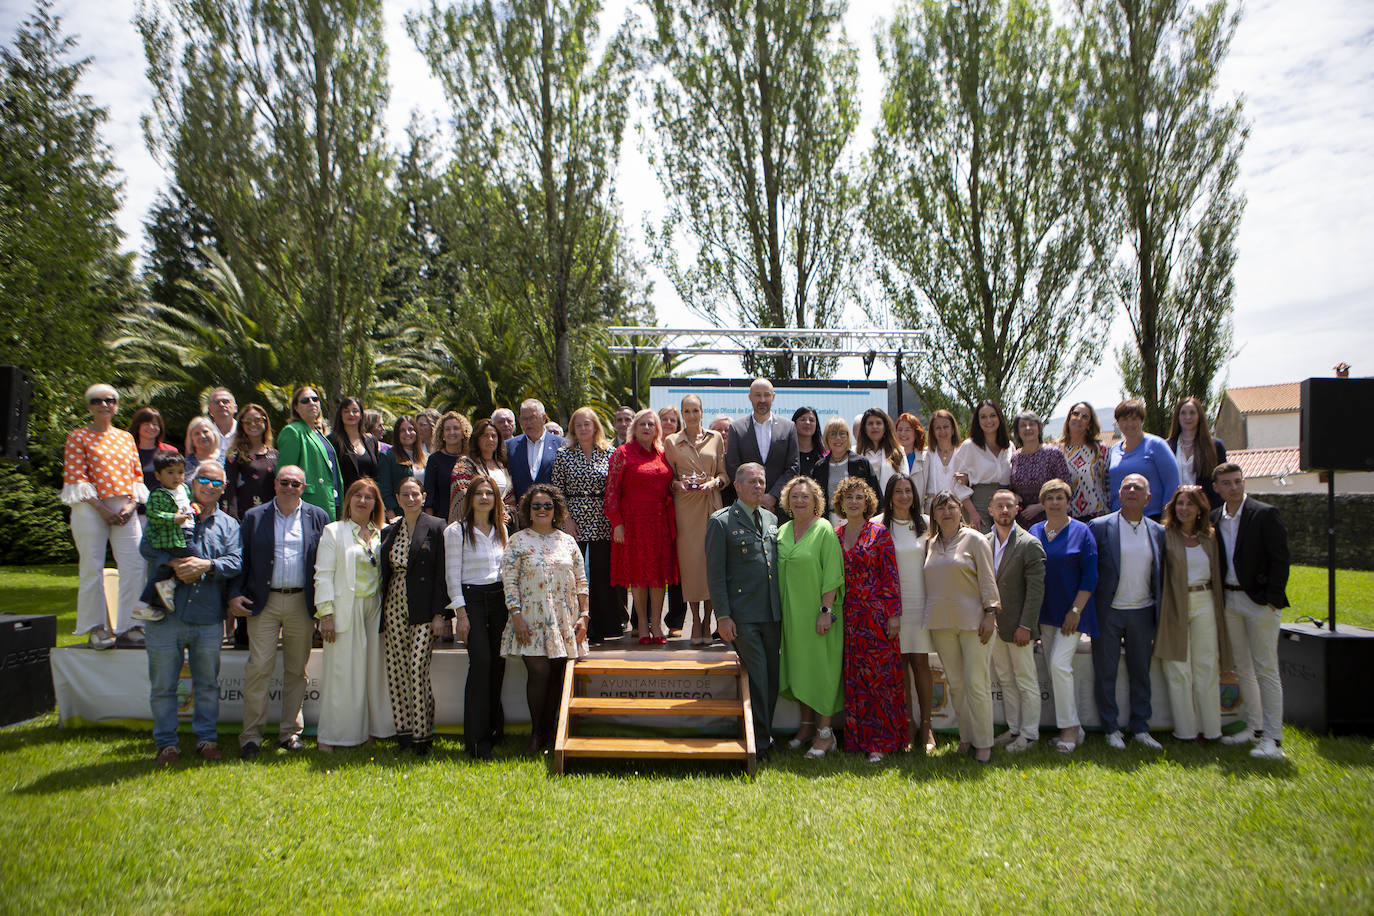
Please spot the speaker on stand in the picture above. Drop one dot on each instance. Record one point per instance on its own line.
(16, 388)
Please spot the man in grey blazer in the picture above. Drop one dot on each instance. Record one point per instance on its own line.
(1130, 581)
(1019, 560)
(766, 439)
(742, 575)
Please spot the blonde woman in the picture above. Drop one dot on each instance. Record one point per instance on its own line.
(697, 456)
(639, 505)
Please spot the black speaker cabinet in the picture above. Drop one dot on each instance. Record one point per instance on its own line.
(1328, 678)
(25, 672)
(15, 390)
(1336, 432)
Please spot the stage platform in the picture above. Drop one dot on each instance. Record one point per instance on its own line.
(111, 687)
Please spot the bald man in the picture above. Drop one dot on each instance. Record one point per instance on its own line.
(767, 439)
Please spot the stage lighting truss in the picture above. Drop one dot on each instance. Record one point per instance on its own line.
(869, 344)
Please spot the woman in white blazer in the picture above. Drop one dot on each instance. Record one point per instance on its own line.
(355, 706)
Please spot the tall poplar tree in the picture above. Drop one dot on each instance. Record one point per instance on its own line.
(752, 117)
(1173, 149)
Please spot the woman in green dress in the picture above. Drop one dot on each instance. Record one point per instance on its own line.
(810, 579)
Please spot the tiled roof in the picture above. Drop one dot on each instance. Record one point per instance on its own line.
(1266, 462)
(1267, 398)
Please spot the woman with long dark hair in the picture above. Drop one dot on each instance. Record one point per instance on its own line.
(878, 443)
(904, 522)
(147, 429)
(983, 463)
(356, 448)
(1198, 452)
(1087, 460)
(251, 465)
(810, 448)
(945, 439)
(403, 461)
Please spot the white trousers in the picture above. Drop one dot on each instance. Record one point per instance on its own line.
(1195, 683)
(91, 534)
(355, 703)
(1254, 632)
(968, 672)
(1059, 652)
(1015, 667)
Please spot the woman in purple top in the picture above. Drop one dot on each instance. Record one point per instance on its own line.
(1067, 610)
(1141, 453)
(1032, 464)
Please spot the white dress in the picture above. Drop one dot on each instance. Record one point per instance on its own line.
(355, 703)
(882, 469)
(939, 475)
(911, 567)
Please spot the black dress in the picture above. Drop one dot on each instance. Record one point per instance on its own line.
(353, 466)
(250, 482)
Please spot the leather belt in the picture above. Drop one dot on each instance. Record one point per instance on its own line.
(1200, 588)
(286, 591)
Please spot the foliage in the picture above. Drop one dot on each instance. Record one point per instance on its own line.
(178, 236)
(269, 114)
(1173, 157)
(33, 521)
(538, 119)
(980, 203)
(752, 115)
(62, 276)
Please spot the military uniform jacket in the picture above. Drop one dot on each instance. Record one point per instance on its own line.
(742, 565)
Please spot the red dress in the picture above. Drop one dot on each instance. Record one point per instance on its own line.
(875, 711)
(639, 496)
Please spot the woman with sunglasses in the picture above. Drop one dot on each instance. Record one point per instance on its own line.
(355, 706)
(546, 596)
(102, 482)
(303, 444)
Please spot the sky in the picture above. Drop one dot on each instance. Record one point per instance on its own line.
(1305, 270)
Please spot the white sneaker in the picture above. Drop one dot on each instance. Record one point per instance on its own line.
(147, 613)
(133, 636)
(101, 638)
(1021, 743)
(1267, 749)
(166, 590)
(1116, 742)
(1146, 740)
(1244, 736)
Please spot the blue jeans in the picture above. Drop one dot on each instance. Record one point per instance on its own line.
(168, 642)
(1137, 628)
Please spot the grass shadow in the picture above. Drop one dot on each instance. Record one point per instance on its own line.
(1345, 750)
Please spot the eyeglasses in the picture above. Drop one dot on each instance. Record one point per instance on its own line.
(110, 401)
(541, 507)
(209, 482)
(254, 419)
(293, 484)
(313, 399)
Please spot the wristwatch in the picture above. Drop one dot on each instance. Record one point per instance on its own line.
(826, 610)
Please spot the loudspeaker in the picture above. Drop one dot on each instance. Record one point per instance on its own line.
(15, 390)
(1328, 678)
(1336, 432)
(25, 671)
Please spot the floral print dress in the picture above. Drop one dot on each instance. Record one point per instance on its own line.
(875, 713)
(542, 575)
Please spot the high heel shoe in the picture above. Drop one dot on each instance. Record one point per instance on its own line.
(806, 733)
(660, 640)
(816, 752)
(646, 640)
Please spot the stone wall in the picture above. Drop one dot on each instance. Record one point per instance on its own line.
(1304, 515)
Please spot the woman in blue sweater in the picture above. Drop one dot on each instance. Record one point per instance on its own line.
(1141, 453)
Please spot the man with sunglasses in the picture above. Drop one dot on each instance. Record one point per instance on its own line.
(276, 592)
(192, 627)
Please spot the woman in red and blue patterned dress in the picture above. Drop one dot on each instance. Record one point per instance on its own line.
(875, 713)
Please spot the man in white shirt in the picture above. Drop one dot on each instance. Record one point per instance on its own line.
(624, 416)
(1254, 557)
(1019, 561)
(504, 421)
(223, 411)
(766, 439)
(531, 453)
(1130, 564)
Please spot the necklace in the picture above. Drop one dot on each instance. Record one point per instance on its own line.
(1135, 526)
(1051, 534)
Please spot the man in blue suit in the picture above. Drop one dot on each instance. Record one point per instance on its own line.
(530, 454)
(276, 592)
(1130, 563)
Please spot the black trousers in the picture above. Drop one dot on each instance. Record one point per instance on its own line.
(677, 609)
(605, 608)
(484, 720)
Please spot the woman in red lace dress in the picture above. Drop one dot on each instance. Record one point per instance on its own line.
(875, 713)
(639, 504)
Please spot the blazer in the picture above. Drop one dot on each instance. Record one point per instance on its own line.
(858, 467)
(1020, 582)
(302, 446)
(518, 461)
(1106, 531)
(348, 459)
(426, 586)
(784, 461)
(336, 575)
(1171, 636)
(259, 530)
(742, 565)
(1261, 553)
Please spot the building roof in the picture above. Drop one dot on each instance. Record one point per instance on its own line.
(1283, 398)
(1267, 462)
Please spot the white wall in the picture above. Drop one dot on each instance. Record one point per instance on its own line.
(1307, 482)
(1275, 430)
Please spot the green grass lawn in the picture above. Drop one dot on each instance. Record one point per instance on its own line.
(89, 823)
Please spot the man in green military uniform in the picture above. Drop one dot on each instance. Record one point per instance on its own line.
(742, 574)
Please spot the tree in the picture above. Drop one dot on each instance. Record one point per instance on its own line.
(980, 203)
(752, 117)
(178, 236)
(269, 116)
(63, 278)
(1174, 156)
(538, 120)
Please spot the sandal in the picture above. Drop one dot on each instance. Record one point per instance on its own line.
(806, 733)
(816, 753)
(875, 757)
(1068, 747)
(927, 736)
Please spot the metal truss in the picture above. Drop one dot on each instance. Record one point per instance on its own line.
(869, 343)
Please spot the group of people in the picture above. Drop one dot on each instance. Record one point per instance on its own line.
(894, 543)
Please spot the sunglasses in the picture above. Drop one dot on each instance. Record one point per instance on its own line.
(111, 401)
(293, 484)
(310, 400)
(541, 507)
(210, 482)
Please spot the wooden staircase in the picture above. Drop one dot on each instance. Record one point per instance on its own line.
(688, 664)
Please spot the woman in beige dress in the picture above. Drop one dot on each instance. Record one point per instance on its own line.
(697, 457)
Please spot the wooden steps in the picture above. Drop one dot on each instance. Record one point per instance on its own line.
(698, 665)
